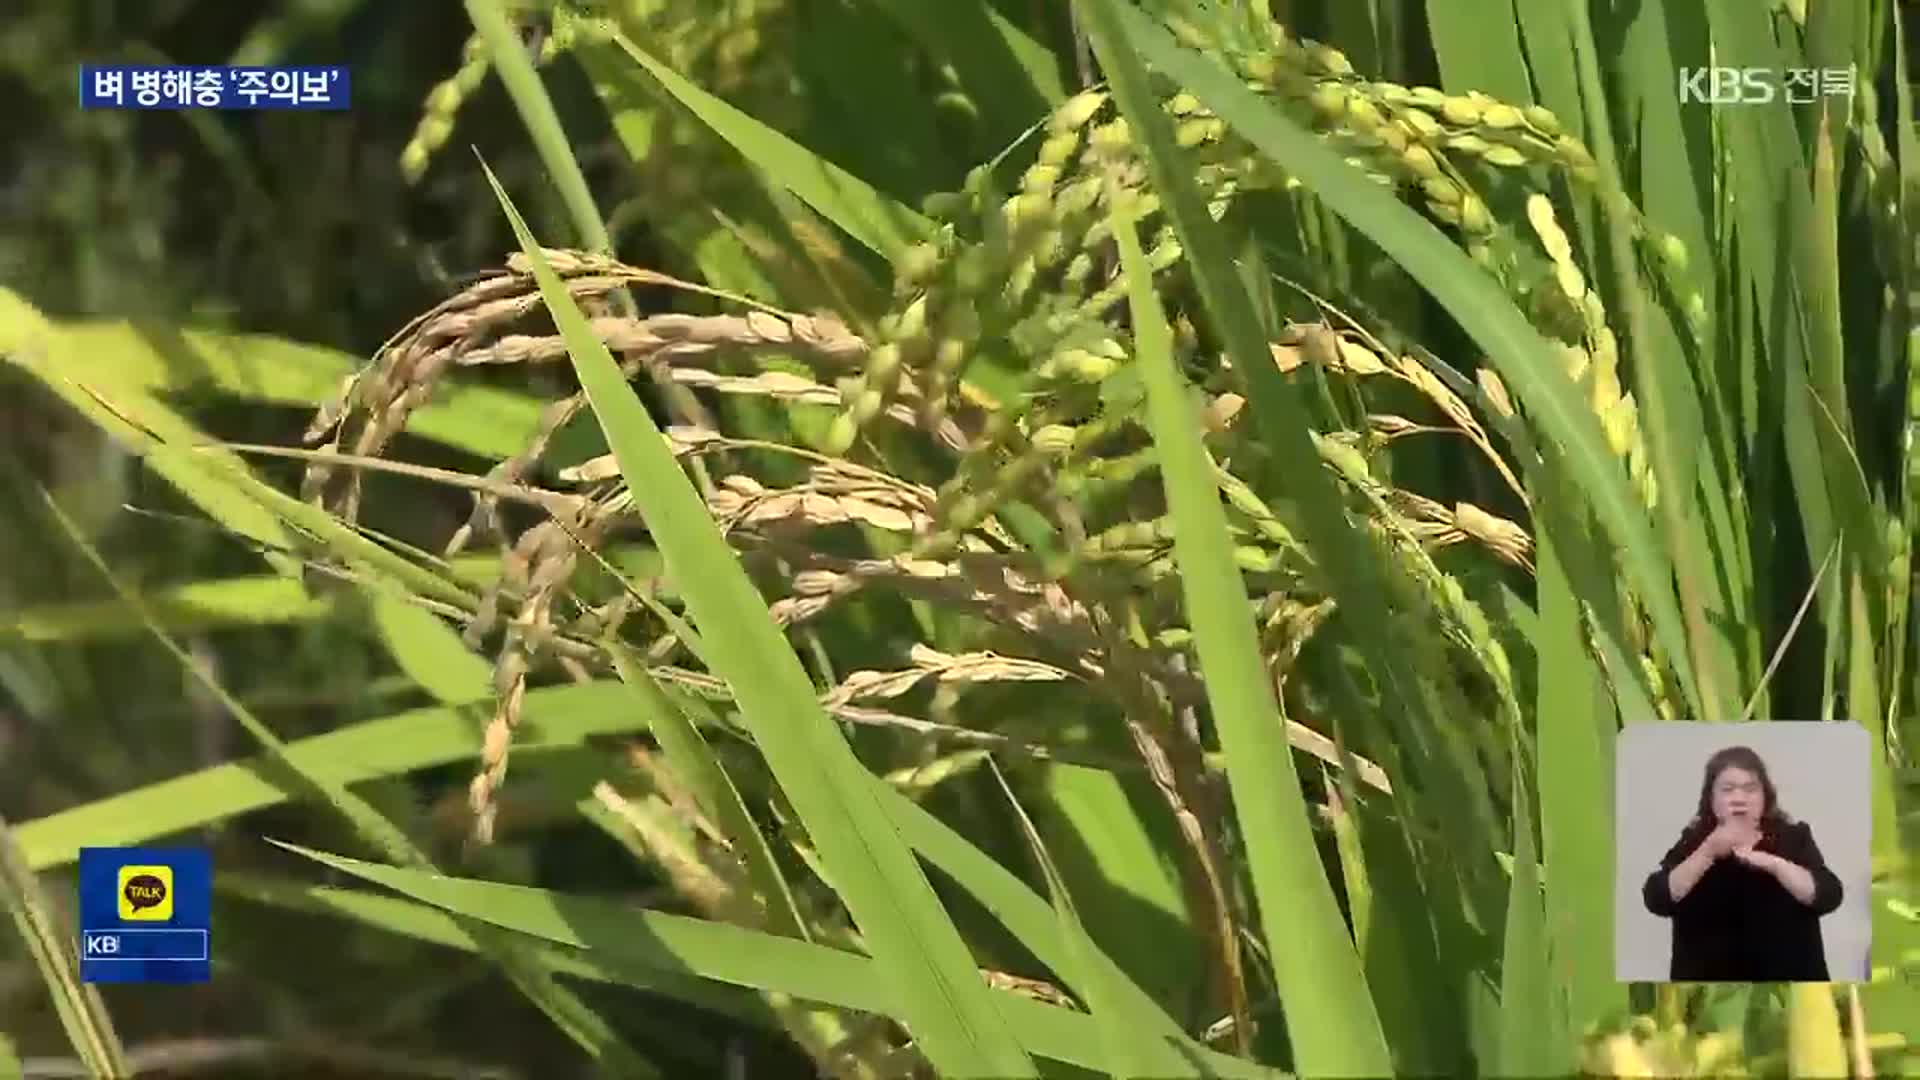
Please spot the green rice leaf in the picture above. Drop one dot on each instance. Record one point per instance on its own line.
(1331, 1020)
(530, 99)
(555, 718)
(435, 926)
(50, 942)
(1575, 750)
(1478, 46)
(429, 651)
(1012, 78)
(1533, 1032)
(1112, 847)
(1130, 1050)
(876, 221)
(191, 606)
(694, 762)
(636, 938)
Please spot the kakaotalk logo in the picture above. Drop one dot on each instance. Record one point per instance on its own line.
(146, 893)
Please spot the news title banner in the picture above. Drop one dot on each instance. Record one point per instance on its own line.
(147, 86)
(145, 915)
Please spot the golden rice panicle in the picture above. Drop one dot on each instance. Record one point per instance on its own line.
(442, 108)
(540, 566)
(1400, 133)
(1595, 364)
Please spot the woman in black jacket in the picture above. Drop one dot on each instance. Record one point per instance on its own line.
(1745, 885)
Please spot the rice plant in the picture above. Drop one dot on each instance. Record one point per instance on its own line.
(1135, 565)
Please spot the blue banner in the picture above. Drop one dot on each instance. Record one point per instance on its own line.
(146, 915)
(147, 86)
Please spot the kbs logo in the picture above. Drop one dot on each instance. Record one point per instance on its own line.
(146, 893)
(1728, 86)
(1762, 86)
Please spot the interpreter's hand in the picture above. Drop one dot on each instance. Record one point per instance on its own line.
(1730, 837)
(1759, 860)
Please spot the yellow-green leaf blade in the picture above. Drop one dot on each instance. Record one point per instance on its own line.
(694, 762)
(639, 939)
(876, 221)
(1342, 1035)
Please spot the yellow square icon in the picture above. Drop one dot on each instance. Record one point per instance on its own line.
(146, 893)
